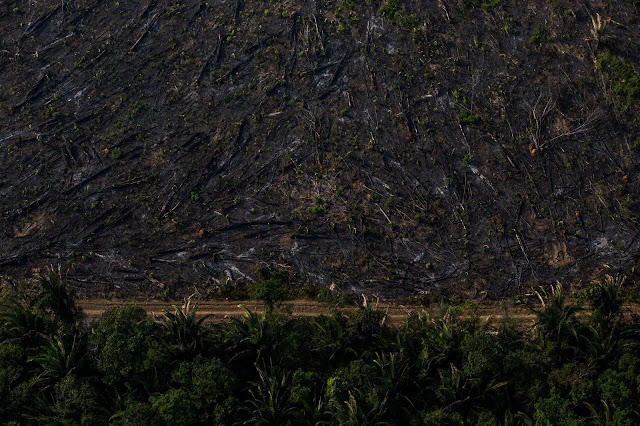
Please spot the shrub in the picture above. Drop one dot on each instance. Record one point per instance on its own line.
(485, 4)
(625, 82)
(136, 413)
(12, 361)
(606, 300)
(333, 298)
(116, 153)
(125, 349)
(273, 288)
(554, 410)
(175, 407)
(210, 387)
(466, 117)
(391, 11)
(75, 402)
(538, 38)
(369, 322)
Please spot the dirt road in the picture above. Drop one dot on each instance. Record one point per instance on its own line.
(219, 310)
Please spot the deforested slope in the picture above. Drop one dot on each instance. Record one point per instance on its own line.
(384, 146)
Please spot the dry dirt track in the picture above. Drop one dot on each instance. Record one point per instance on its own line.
(220, 310)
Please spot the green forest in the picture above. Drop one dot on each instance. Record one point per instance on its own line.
(578, 364)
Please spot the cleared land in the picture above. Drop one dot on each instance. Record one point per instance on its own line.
(386, 147)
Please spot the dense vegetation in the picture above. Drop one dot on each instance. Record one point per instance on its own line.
(268, 368)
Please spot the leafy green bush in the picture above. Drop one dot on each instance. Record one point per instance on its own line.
(554, 410)
(127, 353)
(12, 372)
(538, 38)
(624, 80)
(229, 290)
(368, 322)
(332, 298)
(174, 407)
(136, 413)
(464, 116)
(485, 4)
(267, 368)
(606, 299)
(273, 288)
(74, 402)
(391, 10)
(210, 386)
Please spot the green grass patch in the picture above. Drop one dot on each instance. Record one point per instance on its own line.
(622, 77)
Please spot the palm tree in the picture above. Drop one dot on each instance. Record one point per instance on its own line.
(59, 358)
(606, 299)
(252, 336)
(394, 378)
(363, 408)
(439, 342)
(271, 400)
(330, 340)
(18, 322)
(184, 334)
(460, 391)
(55, 298)
(394, 369)
(603, 415)
(557, 322)
(600, 346)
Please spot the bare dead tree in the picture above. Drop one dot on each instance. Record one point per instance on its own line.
(585, 127)
(540, 112)
(312, 124)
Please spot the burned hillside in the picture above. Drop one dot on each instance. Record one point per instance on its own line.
(384, 146)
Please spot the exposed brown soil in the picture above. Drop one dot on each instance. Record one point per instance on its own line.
(223, 310)
(219, 310)
(385, 147)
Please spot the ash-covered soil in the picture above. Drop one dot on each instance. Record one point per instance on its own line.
(387, 147)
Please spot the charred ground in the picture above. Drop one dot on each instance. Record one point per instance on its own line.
(386, 147)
